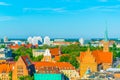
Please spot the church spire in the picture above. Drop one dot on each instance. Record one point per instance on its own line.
(106, 34)
(106, 41)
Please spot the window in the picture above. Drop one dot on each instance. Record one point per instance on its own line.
(19, 70)
(28, 62)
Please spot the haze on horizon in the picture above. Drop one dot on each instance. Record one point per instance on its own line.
(59, 18)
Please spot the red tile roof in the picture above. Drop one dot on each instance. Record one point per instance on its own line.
(28, 45)
(117, 75)
(54, 51)
(57, 58)
(6, 68)
(100, 56)
(16, 46)
(60, 65)
(65, 66)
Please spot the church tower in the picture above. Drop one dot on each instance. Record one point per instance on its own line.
(47, 56)
(106, 42)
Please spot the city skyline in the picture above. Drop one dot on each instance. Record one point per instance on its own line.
(59, 18)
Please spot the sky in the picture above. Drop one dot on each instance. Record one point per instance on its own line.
(59, 18)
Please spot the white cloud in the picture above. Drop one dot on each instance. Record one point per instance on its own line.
(6, 18)
(103, 8)
(4, 4)
(44, 9)
(113, 8)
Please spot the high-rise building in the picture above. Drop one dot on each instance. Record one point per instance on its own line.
(47, 40)
(29, 40)
(81, 40)
(36, 40)
(5, 39)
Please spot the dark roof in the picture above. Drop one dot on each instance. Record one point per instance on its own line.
(27, 60)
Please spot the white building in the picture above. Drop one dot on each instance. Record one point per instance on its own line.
(5, 53)
(81, 40)
(47, 56)
(47, 40)
(16, 42)
(38, 52)
(29, 40)
(47, 52)
(5, 39)
(36, 40)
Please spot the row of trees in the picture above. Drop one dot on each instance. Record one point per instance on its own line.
(72, 51)
(115, 51)
(25, 51)
(71, 59)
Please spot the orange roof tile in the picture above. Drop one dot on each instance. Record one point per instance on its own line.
(65, 65)
(28, 45)
(100, 56)
(57, 58)
(54, 51)
(60, 65)
(117, 75)
(6, 68)
(16, 46)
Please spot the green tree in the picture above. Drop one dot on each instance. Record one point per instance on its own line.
(64, 58)
(44, 47)
(26, 78)
(74, 62)
(2, 46)
(10, 75)
(71, 59)
(37, 58)
(22, 51)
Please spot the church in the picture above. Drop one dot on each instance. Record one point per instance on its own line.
(96, 60)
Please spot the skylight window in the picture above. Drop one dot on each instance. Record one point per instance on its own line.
(28, 62)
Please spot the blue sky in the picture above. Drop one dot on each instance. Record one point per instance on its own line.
(59, 18)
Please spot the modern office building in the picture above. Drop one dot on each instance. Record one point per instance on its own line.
(47, 40)
(81, 41)
(5, 39)
(36, 40)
